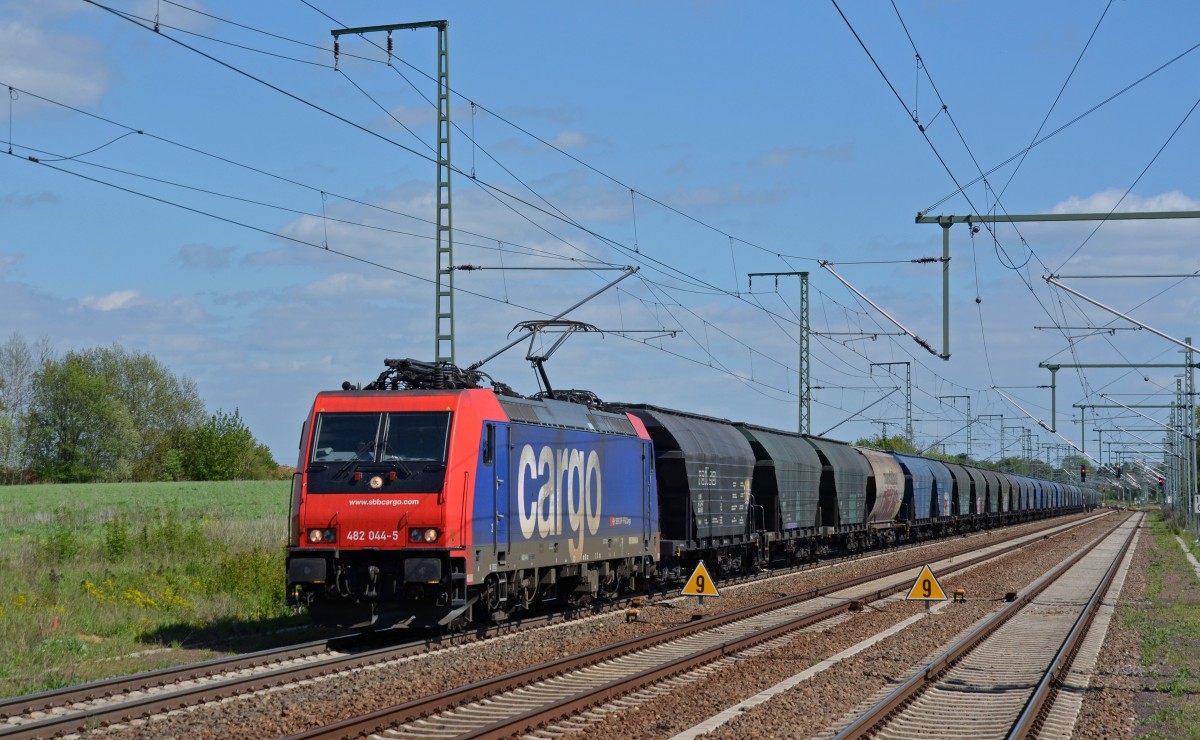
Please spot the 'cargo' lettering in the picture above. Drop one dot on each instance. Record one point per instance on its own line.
(571, 483)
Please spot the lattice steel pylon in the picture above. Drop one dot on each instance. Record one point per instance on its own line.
(444, 302)
(804, 419)
(443, 329)
(805, 384)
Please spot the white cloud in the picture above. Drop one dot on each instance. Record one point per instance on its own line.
(1110, 199)
(570, 140)
(34, 58)
(113, 301)
(347, 286)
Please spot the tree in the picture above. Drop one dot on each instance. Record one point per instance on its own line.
(9, 469)
(223, 448)
(19, 361)
(897, 443)
(164, 408)
(75, 429)
(111, 414)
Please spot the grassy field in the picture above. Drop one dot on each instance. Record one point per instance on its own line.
(107, 578)
(1168, 621)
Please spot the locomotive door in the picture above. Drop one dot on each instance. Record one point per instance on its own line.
(498, 434)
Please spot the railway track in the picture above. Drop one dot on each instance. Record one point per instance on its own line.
(519, 702)
(121, 699)
(1000, 679)
(129, 699)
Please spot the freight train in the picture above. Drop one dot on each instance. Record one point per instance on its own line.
(428, 499)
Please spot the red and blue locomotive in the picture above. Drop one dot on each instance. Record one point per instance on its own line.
(424, 499)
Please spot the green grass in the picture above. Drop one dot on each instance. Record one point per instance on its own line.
(25, 506)
(95, 573)
(1168, 620)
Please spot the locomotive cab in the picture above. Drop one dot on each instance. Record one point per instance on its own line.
(376, 539)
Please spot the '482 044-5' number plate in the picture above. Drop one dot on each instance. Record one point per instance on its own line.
(371, 535)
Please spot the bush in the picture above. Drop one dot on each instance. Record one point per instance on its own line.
(172, 466)
(116, 538)
(64, 541)
(223, 448)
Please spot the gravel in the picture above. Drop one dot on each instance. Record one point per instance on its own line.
(814, 706)
(1108, 709)
(803, 711)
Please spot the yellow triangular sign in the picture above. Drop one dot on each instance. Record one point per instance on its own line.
(700, 583)
(927, 587)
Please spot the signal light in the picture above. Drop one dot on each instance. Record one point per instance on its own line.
(1117, 474)
(1082, 473)
(1161, 481)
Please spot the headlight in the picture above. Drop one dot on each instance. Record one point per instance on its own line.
(319, 536)
(422, 534)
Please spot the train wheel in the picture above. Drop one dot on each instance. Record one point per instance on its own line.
(491, 594)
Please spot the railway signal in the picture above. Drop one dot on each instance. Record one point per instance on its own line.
(926, 588)
(700, 584)
(1082, 473)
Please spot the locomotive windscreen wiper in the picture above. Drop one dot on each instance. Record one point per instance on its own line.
(354, 460)
(400, 466)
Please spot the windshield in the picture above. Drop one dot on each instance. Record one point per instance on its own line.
(416, 435)
(405, 450)
(342, 437)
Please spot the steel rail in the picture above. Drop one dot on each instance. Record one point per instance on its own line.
(1039, 704)
(74, 721)
(413, 711)
(169, 693)
(910, 689)
(106, 688)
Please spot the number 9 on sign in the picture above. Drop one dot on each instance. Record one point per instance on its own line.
(926, 587)
(700, 583)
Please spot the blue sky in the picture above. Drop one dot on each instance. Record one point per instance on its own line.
(698, 141)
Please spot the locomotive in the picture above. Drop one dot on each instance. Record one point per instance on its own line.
(427, 499)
